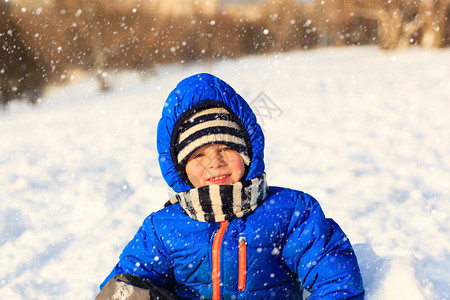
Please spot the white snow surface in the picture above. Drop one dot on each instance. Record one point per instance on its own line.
(365, 132)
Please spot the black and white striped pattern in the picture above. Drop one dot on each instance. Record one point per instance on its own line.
(210, 126)
(216, 203)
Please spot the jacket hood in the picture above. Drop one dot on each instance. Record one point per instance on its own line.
(193, 93)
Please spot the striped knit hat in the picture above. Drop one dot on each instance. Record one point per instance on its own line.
(213, 125)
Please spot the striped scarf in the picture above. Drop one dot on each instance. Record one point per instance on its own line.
(216, 203)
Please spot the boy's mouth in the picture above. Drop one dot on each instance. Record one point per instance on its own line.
(219, 179)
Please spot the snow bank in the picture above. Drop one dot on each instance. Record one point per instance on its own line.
(364, 132)
(393, 277)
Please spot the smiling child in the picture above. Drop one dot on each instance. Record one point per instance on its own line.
(226, 234)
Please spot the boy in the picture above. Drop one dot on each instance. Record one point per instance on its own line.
(226, 234)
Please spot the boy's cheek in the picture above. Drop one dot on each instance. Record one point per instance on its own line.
(198, 164)
(195, 181)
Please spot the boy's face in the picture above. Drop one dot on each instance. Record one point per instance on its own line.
(214, 164)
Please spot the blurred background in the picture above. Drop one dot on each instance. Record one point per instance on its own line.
(360, 93)
(45, 42)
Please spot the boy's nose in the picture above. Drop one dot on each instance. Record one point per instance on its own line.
(216, 160)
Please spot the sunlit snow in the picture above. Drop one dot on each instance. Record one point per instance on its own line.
(365, 132)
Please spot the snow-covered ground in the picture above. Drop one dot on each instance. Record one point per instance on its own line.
(365, 132)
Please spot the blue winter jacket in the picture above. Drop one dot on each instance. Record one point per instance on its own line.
(285, 245)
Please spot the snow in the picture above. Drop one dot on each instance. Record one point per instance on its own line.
(365, 132)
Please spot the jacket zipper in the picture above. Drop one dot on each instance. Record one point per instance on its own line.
(217, 243)
(242, 262)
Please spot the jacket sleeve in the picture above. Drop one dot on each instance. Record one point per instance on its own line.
(318, 251)
(146, 257)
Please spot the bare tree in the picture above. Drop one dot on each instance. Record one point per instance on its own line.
(433, 18)
(400, 20)
(20, 74)
(89, 28)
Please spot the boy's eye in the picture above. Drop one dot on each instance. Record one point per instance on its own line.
(225, 149)
(198, 155)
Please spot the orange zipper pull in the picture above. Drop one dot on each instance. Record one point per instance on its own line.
(217, 243)
(242, 262)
